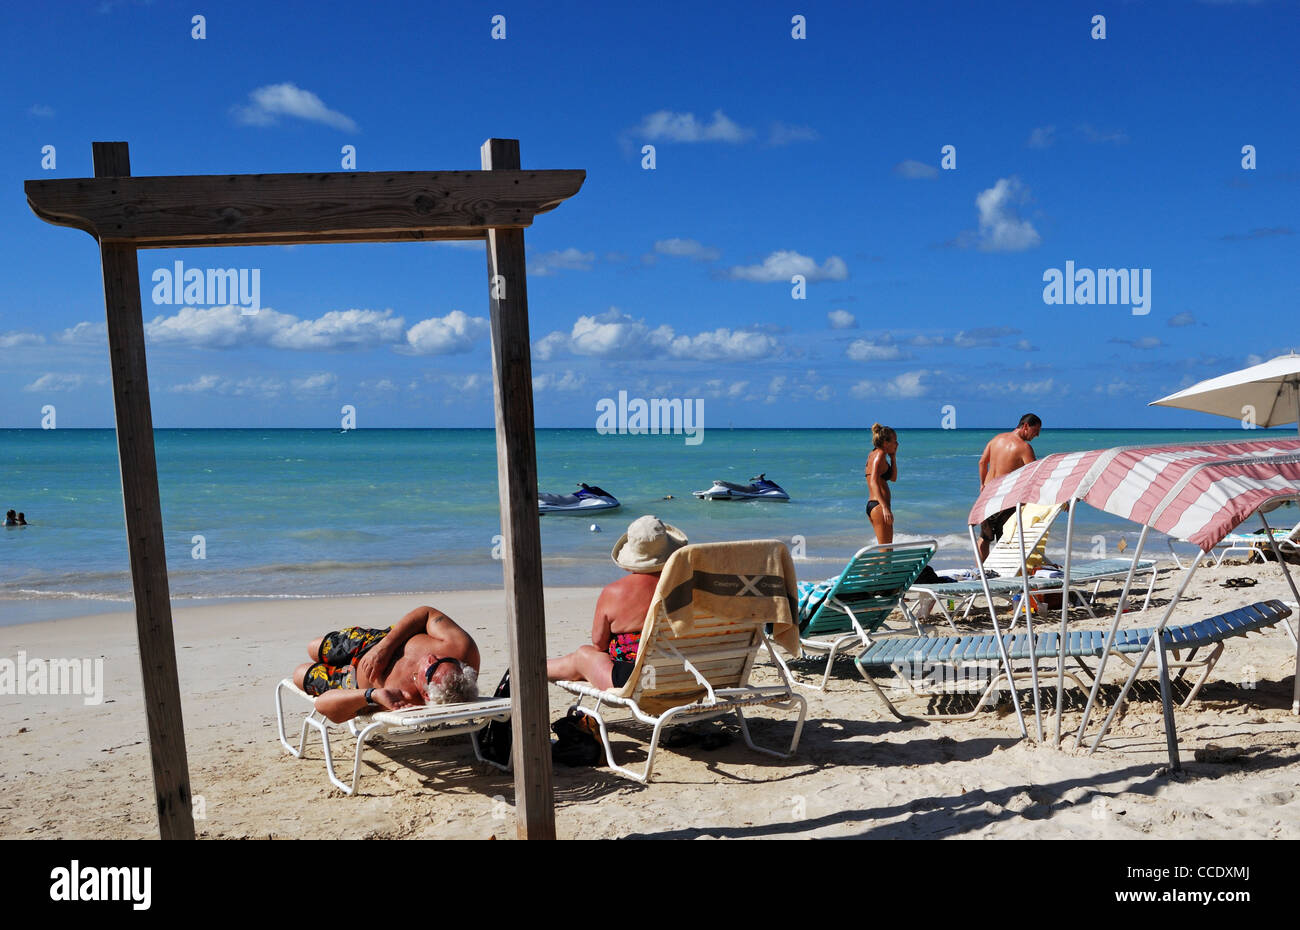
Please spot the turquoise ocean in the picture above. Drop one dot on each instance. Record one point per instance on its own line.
(290, 513)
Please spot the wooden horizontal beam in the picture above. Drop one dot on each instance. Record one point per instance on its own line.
(284, 209)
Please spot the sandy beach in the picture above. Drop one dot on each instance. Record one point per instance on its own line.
(75, 770)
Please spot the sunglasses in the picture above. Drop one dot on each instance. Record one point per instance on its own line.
(428, 674)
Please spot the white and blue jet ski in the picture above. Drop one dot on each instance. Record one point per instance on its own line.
(758, 489)
(584, 500)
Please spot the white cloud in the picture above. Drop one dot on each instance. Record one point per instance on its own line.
(782, 265)
(687, 248)
(1037, 388)
(382, 386)
(340, 329)
(323, 383)
(1182, 319)
(56, 382)
(1098, 136)
(14, 340)
(842, 319)
(1000, 227)
(1118, 389)
(84, 333)
(547, 263)
(982, 336)
(449, 335)
(565, 382)
(1142, 342)
(41, 110)
(915, 170)
(272, 101)
(723, 344)
(1024, 345)
(862, 350)
(230, 387)
(1041, 137)
(783, 134)
(667, 126)
(927, 339)
(225, 327)
(216, 327)
(615, 334)
(907, 385)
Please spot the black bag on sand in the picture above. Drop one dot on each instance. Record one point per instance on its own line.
(494, 740)
(576, 745)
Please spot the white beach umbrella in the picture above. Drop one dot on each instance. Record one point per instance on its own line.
(1271, 390)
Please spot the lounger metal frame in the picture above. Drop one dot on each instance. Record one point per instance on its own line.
(981, 651)
(395, 727)
(968, 593)
(716, 702)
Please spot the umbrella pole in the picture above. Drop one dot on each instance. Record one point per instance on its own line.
(1029, 624)
(1295, 695)
(1155, 635)
(1110, 637)
(1002, 648)
(1065, 615)
(1166, 700)
(1268, 531)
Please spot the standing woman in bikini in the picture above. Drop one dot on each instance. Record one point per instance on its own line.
(882, 467)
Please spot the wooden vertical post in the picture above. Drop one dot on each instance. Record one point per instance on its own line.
(512, 383)
(135, 450)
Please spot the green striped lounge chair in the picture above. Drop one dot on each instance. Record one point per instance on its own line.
(932, 665)
(866, 592)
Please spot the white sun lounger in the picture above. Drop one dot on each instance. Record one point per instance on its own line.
(701, 634)
(396, 727)
(966, 593)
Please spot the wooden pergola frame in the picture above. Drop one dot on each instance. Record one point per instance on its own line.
(126, 213)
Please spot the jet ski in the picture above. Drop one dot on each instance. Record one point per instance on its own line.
(583, 500)
(758, 489)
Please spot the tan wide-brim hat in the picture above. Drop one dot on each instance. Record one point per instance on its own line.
(646, 545)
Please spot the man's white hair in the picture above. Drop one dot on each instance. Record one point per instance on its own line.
(454, 687)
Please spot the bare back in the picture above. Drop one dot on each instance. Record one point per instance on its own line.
(622, 606)
(1004, 454)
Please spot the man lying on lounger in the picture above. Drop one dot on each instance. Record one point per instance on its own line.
(425, 658)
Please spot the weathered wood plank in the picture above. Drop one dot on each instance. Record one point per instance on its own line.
(135, 449)
(252, 209)
(512, 383)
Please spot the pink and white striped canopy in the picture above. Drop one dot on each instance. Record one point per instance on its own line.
(1194, 491)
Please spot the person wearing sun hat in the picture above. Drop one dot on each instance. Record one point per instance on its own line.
(621, 608)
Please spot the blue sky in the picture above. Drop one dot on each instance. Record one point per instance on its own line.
(773, 156)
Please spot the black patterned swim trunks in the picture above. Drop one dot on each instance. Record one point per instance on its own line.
(340, 652)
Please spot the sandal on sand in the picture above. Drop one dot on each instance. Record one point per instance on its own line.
(1240, 583)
